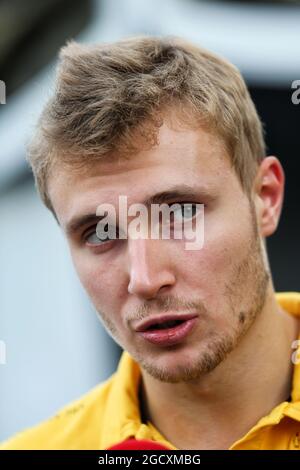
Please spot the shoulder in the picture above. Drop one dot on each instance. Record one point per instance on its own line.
(76, 426)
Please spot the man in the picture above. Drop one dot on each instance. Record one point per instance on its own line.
(208, 360)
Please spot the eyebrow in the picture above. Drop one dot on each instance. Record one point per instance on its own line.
(176, 192)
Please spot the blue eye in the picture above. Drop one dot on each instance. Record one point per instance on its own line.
(107, 234)
(185, 212)
(93, 239)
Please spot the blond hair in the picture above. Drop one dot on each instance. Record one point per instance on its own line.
(106, 94)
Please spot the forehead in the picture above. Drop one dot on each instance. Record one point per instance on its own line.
(195, 158)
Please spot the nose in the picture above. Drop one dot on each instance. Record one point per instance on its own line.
(149, 268)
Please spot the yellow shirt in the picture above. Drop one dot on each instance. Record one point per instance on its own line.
(109, 413)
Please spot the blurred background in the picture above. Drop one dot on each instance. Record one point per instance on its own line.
(56, 348)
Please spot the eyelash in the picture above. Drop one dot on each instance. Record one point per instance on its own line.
(92, 228)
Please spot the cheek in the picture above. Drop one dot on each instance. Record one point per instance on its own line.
(206, 272)
(208, 266)
(102, 283)
(226, 242)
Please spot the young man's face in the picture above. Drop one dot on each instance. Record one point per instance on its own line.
(222, 285)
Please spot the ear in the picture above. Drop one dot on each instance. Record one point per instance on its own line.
(269, 193)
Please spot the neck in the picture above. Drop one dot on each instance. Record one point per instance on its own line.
(221, 395)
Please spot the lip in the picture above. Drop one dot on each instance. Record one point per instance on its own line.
(167, 336)
(158, 320)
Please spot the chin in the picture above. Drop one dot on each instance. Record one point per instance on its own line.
(179, 364)
(174, 366)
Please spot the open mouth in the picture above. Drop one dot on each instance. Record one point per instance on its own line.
(164, 322)
(165, 325)
(167, 331)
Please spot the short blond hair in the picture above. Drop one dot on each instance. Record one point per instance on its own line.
(106, 93)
